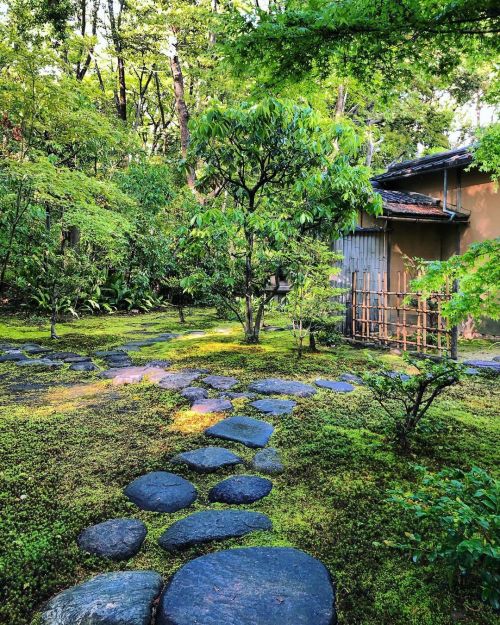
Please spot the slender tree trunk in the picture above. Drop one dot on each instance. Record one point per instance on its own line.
(121, 96)
(341, 100)
(312, 341)
(180, 103)
(53, 315)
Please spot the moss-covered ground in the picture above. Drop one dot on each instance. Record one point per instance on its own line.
(69, 446)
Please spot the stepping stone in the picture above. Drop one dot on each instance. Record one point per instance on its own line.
(34, 349)
(333, 385)
(252, 586)
(122, 598)
(472, 371)
(243, 395)
(276, 386)
(40, 362)
(164, 364)
(274, 407)
(250, 432)
(117, 539)
(351, 378)
(195, 333)
(84, 366)
(107, 353)
(220, 382)
(207, 459)
(404, 377)
(61, 355)
(160, 491)
(196, 370)
(13, 356)
(208, 525)
(241, 489)
(194, 393)
(77, 359)
(489, 365)
(207, 406)
(178, 380)
(268, 461)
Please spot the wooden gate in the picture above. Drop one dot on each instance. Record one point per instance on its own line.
(399, 317)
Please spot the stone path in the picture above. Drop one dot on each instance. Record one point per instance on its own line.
(251, 586)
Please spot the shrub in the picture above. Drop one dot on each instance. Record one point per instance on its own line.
(458, 516)
(406, 399)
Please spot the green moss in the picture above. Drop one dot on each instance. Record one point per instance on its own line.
(68, 449)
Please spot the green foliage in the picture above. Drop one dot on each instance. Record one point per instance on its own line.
(458, 522)
(477, 273)
(406, 399)
(487, 151)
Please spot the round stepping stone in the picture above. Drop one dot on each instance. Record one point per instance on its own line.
(275, 386)
(208, 525)
(123, 598)
(207, 459)
(117, 539)
(160, 491)
(243, 395)
(334, 385)
(13, 356)
(207, 406)
(252, 586)
(220, 382)
(84, 366)
(241, 489)
(178, 380)
(351, 378)
(194, 393)
(250, 432)
(268, 461)
(274, 407)
(40, 362)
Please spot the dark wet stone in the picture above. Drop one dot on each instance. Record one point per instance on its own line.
(243, 395)
(40, 362)
(334, 385)
(84, 366)
(34, 349)
(274, 406)
(61, 355)
(351, 378)
(404, 377)
(165, 364)
(117, 539)
(250, 586)
(106, 353)
(207, 459)
(241, 489)
(489, 365)
(276, 386)
(220, 382)
(77, 359)
(177, 380)
(122, 598)
(160, 491)
(245, 430)
(6, 346)
(13, 356)
(203, 527)
(267, 461)
(207, 406)
(199, 370)
(194, 393)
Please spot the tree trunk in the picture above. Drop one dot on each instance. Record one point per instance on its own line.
(121, 97)
(341, 100)
(182, 318)
(53, 316)
(180, 103)
(312, 342)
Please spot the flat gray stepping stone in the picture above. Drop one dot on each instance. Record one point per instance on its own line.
(106, 353)
(40, 362)
(252, 586)
(122, 598)
(241, 489)
(34, 349)
(276, 386)
(165, 364)
(117, 539)
(178, 380)
(194, 393)
(472, 371)
(61, 355)
(268, 461)
(334, 385)
(404, 377)
(274, 406)
(351, 378)
(231, 395)
(490, 365)
(13, 356)
(208, 525)
(207, 459)
(250, 432)
(220, 382)
(160, 491)
(206, 406)
(84, 366)
(76, 359)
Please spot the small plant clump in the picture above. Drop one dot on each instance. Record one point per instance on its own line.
(458, 515)
(406, 399)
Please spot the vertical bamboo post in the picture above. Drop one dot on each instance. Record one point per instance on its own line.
(398, 306)
(379, 307)
(404, 310)
(454, 330)
(447, 296)
(354, 301)
(424, 323)
(368, 304)
(386, 305)
(439, 323)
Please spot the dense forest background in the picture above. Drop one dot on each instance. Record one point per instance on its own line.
(100, 189)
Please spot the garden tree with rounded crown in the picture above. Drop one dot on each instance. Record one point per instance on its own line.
(273, 172)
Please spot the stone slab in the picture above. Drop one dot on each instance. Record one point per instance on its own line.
(268, 461)
(207, 406)
(207, 459)
(177, 380)
(208, 525)
(274, 407)
(241, 489)
(116, 539)
(220, 382)
(194, 393)
(245, 430)
(277, 386)
(160, 491)
(335, 385)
